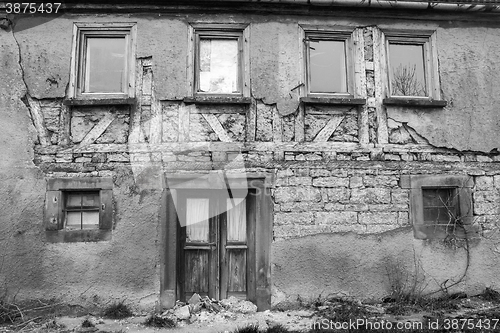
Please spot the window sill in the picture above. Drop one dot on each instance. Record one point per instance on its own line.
(217, 100)
(421, 102)
(333, 100)
(99, 101)
(73, 236)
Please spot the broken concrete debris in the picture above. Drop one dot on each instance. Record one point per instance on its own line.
(201, 309)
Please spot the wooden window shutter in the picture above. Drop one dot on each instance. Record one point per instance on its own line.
(106, 210)
(53, 210)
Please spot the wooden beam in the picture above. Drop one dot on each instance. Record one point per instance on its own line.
(97, 130)
(184, 111)
(380, 68)
(300, 124)
(328, 130)
(38, 121)
(217, 127)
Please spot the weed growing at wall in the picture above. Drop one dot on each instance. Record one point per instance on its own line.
(117, 311)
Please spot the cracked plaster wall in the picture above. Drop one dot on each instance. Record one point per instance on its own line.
(36, 267)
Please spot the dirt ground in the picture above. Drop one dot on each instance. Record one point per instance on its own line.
(477, 309)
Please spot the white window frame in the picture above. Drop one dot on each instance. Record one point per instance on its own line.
(80, 32)
(240, 32)
(427, 39)
(335, 34)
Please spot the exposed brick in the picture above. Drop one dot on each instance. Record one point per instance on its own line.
(378, 218)
(392, 157)
(313, 157)
(303, 193)
(293, 218)
(484, 183)
(336, 218)
(331, 182)
(371, 195)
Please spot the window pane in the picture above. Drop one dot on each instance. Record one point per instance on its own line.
(105, 65)
(327, 66)
(407, 70)
(439, 205)
(236, 220)
(74, 200)
(197, 215)
(90, 220)
(218, 72)
(90, 199)
(73, 220)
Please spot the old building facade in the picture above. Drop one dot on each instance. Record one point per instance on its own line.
(266, 150)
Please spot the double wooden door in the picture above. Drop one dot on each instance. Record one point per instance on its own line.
(217, 244)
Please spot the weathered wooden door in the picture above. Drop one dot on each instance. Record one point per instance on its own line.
(216, 245)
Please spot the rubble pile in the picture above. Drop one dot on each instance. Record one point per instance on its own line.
(205, 309)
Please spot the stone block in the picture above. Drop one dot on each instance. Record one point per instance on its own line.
(380, 181)
(399, 196)
(331, 182)
(496, 181)
(356, 182)
(369, 218)
(301, 206)
(303, 218)
(334, 206)
(403, 219)
(294, 181)
(336, 217)
(371, 195)
(118, 157)
(340, 194)
(486, 196)
(286, 231)
(484, 159)
(484, 183)
(486, 208)
(291, 193)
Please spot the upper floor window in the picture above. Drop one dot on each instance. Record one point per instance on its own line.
(412, 71)
(220, 62)
(103, 61)
(328, 63)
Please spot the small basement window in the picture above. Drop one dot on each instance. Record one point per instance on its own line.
(440, 206)
(82, 210)
(78, 210)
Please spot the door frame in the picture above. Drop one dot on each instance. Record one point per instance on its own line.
(259, 290)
